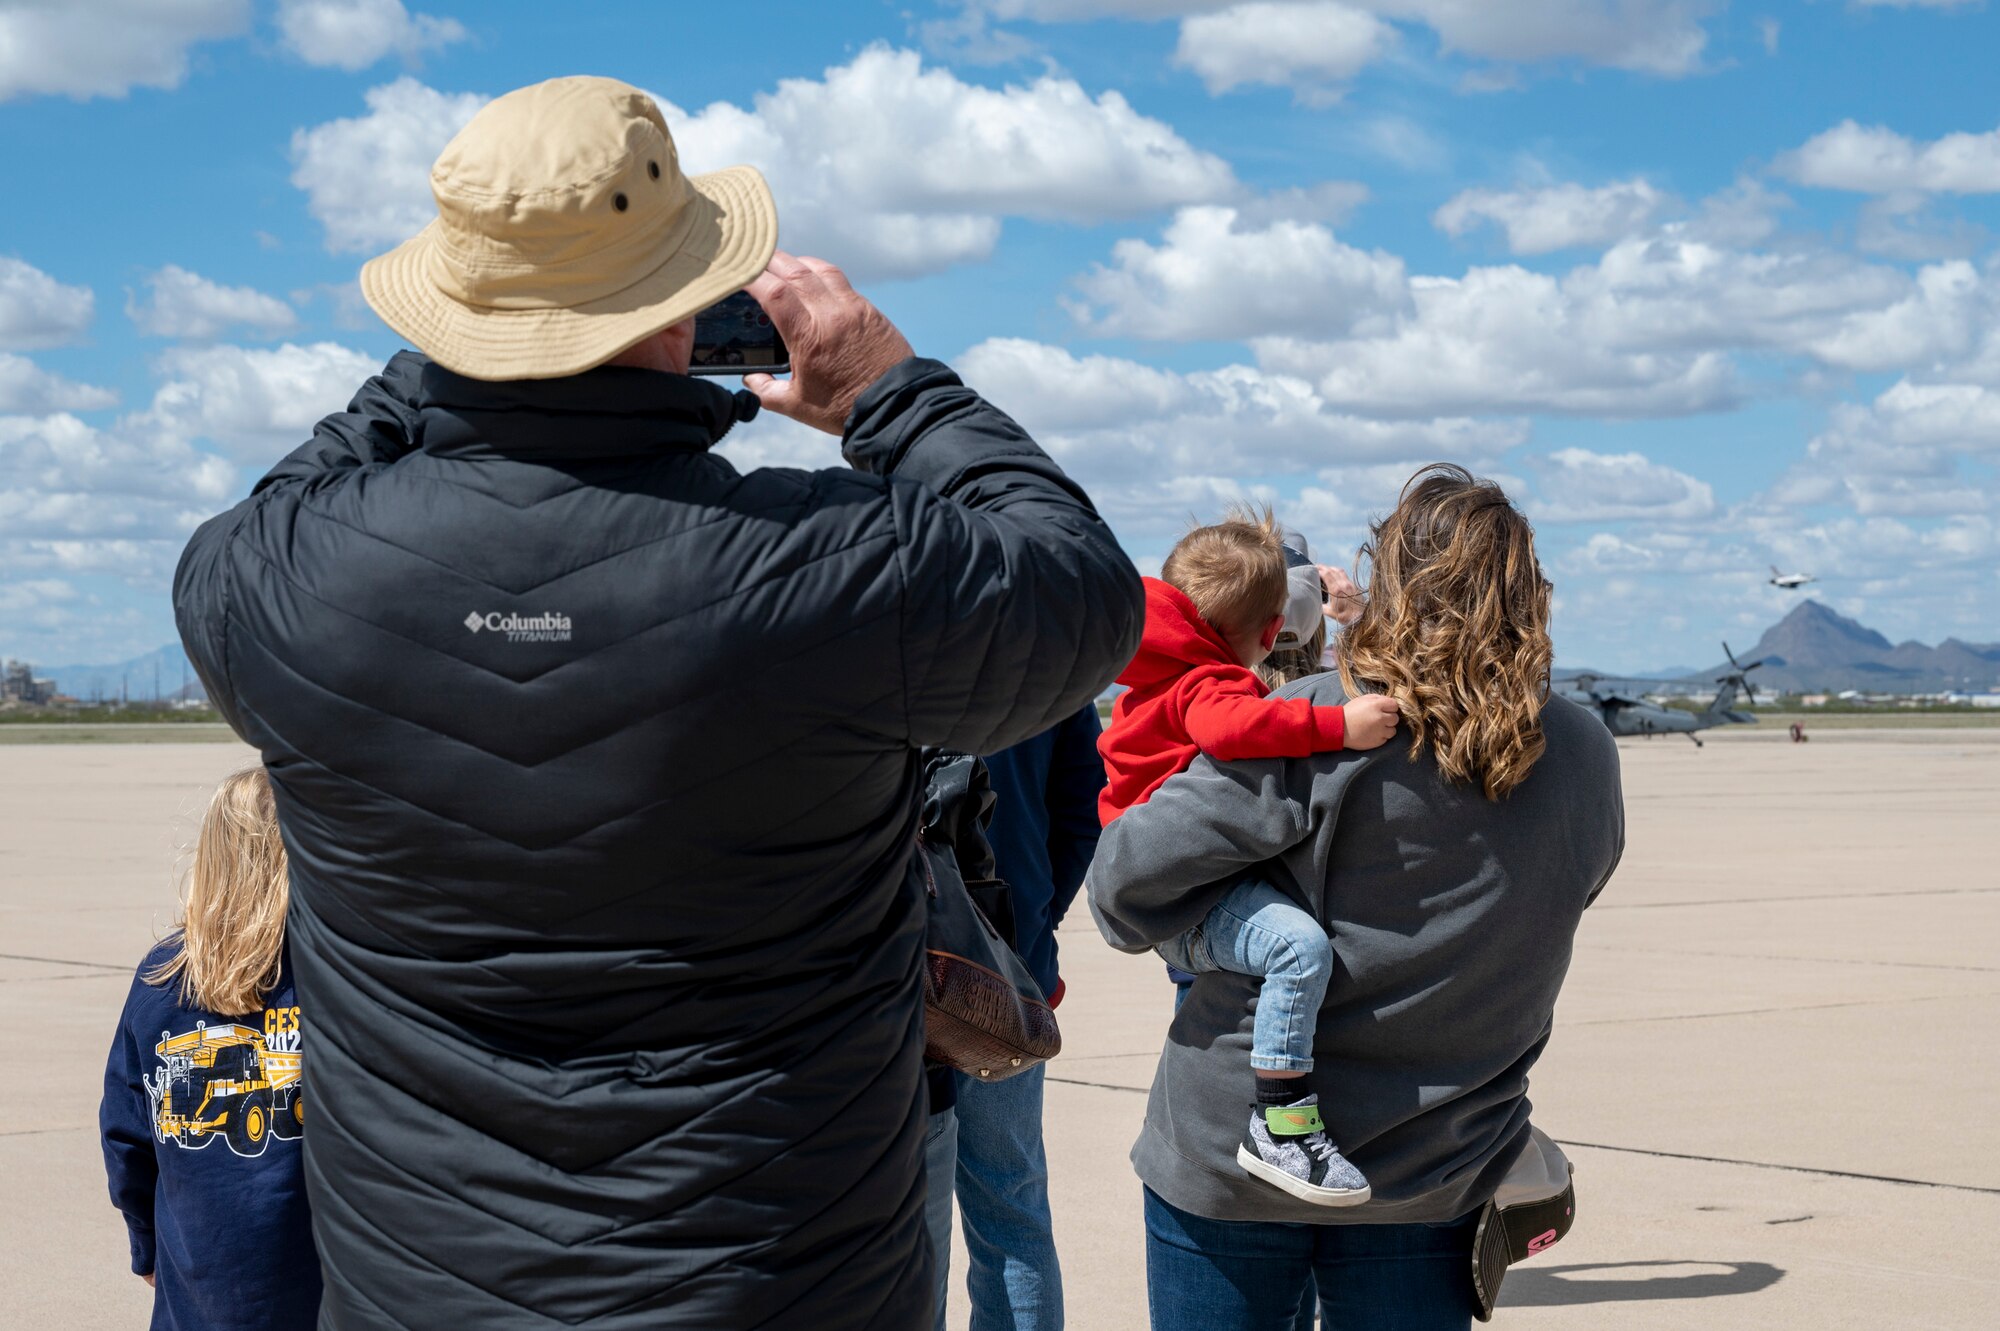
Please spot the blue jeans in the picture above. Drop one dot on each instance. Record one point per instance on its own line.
(1228, 1275)
(940, 1163)
(1256, 930)
(1015, 1280)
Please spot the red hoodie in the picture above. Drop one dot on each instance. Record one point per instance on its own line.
(1188, 694)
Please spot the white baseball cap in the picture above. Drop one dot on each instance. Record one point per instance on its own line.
(1304, 602)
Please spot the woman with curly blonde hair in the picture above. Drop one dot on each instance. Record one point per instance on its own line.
(1456, 628)
(1450, 873)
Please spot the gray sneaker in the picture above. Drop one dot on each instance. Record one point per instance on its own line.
(1287, 1146)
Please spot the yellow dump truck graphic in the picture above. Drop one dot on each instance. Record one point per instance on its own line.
(224, 1080)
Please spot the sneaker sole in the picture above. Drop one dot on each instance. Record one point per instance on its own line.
(1299, 1188)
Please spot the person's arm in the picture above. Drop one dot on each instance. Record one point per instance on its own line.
(124, 1119)
(1076, 775)
(1163, 864)
(1017, 606)
(1229, 718)
(378, 427)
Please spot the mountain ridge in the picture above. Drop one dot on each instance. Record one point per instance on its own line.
(1816, 649)
(135, 676)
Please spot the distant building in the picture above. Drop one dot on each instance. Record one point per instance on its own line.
(18, 685)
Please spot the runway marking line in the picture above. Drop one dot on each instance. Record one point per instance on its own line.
(1772, 956)
(1804, 896)
(58, 961)
(1790, 1169)
(1766, 1011)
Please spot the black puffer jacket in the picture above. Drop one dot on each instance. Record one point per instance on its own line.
(597, 764)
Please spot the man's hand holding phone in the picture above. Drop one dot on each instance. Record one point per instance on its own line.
(840, 343)
(1343, 599)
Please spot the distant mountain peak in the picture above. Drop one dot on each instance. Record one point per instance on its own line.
(1811, 616)
(1815, 648)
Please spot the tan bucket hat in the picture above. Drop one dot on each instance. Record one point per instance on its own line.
(565, 233)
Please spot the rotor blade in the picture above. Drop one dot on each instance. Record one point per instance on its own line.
(1731, 655)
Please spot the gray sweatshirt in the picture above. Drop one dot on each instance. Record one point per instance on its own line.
(1451, 917)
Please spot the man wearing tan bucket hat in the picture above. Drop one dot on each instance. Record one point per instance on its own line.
(596, 758)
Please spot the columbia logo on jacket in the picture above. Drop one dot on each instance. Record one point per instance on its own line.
(546, 627)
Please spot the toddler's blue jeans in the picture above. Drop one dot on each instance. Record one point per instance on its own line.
(1256, 930)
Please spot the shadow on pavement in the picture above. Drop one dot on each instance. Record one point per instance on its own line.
(1554, 1286)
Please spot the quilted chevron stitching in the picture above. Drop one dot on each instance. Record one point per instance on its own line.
(624, 721)
(709, 774)
(439, 478)
(363, 532)
(283, 576)
(598, 1168)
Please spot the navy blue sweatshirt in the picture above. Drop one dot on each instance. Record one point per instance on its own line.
(1045, 830)
(201, 1120)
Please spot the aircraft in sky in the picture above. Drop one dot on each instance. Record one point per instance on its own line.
(1791, 582)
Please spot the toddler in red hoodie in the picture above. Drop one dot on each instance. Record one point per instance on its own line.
(1215, 611)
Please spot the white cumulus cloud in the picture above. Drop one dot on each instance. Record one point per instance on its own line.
(121, 498)
(354, 34)
(38, 311)
(31, 594)
(105, 48)
(255, 403)
(27, 388)
(1660, 37)
(1211, 279)
(1500, 339)
(182, 304)
(1872, 159)
(63, 479)
(1554, 217)
(1329, 201)
(1941, 319)
(1653, 327)
(892, 169)
(1897, 430)
(1149, 441)
(1578, 485)
(1901, 454)
(368, 178)
(1314, 47)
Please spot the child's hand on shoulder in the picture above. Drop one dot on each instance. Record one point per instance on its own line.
(1370, 720)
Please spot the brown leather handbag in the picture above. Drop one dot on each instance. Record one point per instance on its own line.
(983, 1012)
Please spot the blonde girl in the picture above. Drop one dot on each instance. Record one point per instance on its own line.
(204, 1095)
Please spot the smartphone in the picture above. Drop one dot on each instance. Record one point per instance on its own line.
(735, 336)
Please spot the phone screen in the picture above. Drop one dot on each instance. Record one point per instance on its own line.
(735, 336)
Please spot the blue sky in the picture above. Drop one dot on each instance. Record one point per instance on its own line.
(1710, 286)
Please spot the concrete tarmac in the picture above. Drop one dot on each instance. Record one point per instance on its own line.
(1775, 1063)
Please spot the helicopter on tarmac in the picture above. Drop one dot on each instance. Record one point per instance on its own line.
(1627, 713)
